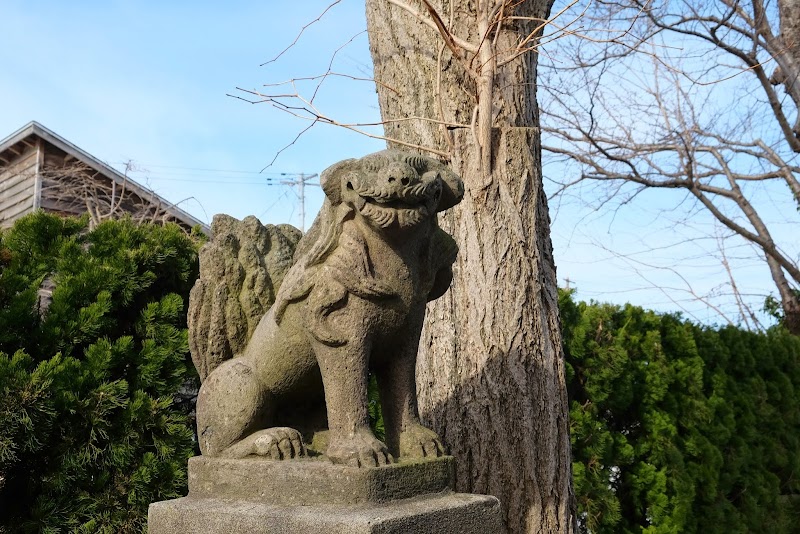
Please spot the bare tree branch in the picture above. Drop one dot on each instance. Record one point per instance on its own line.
(636, 111)
(76, 188)
(300, 34)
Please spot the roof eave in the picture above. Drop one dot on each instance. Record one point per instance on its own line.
(34, 128)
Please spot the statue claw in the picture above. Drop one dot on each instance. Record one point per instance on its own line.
(420, 442)
(278, 443)
(360, 449)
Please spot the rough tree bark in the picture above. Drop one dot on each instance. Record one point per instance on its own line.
(458, 78)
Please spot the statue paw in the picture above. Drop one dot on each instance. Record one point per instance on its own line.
(417, 441)
(278, 443)
(361, 449)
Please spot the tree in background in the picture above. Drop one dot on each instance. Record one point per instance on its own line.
(701, 98)
(78, 189)
(73, 188)
(90, 433)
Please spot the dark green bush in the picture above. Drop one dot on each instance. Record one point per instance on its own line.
(678, 428)
(90, 433)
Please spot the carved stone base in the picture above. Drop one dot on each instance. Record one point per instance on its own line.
(315, 481)
(252, 496)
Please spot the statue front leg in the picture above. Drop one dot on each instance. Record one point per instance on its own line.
(405, 434)
(231, 404)
(345, 376)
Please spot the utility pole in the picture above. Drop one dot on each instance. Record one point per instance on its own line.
(301, 183)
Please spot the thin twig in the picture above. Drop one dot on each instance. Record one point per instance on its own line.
(297, 37)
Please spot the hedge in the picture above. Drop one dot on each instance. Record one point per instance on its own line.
(680, 428)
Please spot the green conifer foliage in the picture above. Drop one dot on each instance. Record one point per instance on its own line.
(90, 433)
(678, 428)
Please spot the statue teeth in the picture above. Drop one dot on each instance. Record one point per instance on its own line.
(385, 216)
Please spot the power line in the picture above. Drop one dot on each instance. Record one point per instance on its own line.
(235, 171)
(199, 180)
(274, 203)
(200, 169)
(268, 178)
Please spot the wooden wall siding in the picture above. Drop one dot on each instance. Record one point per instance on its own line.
(17, 187)
(54, 197)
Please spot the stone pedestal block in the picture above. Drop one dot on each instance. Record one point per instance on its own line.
(256, 496)
(452, 513)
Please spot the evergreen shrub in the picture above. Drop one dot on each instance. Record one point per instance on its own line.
(90, 432)
(680, 428)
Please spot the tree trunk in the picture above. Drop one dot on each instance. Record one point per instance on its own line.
(791, 315)
(490, 374)
(789, 60)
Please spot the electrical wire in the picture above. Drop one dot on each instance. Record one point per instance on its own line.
(231, 171)
(273, 204)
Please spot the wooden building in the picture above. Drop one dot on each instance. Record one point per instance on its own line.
(41, 170)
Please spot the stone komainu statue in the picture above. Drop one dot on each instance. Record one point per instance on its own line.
(285, 347)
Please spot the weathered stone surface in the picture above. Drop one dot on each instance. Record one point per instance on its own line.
(448, 513)
(254, 495)
(311, 481)
(240, 271)
(352, 303)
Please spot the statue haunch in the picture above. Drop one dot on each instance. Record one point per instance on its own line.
(351, 304)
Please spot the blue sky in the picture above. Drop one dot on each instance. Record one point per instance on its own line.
(146, 82)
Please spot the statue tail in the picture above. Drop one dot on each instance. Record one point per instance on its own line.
(241, 269)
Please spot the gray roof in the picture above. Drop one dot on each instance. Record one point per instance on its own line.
(33, 128)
